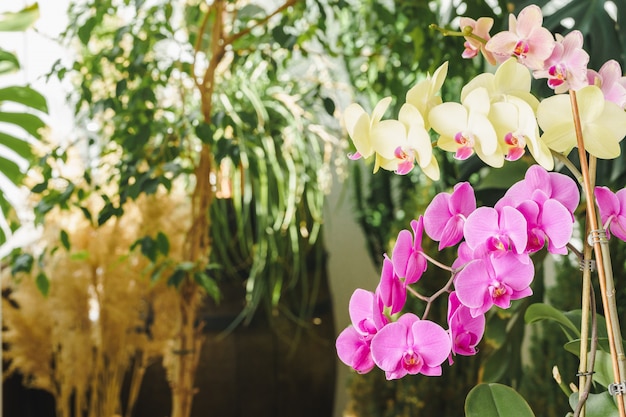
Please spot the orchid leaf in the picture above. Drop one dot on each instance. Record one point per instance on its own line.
(597, 405)
(603, 369)
(496, 400)
(540, 311)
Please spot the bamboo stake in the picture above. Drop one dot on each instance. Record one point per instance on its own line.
(599, 248)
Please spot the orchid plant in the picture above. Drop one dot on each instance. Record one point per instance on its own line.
(497, 119)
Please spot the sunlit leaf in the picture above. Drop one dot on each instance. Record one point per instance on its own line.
(18, 21)
(11, 170)
(8, 62)
(29, 122)
(19, 146)
(24, 95)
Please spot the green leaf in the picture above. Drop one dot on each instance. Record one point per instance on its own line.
(11, 170)
(43, 283)
(148, 247)
(250, 11)
(19, 21)
(8, 62)
(176, 278)
(22, 263)
(24, 95)
(597, 405)
(186, 266)
(539, 311)
(29, 122)
(208, 284)
(603, 367)
(329, 105)
(84, 31)
(81, 255)
(574, 345)
(65, 239)
(204, 132)
(163, 243)
(496, 400)
(19, 146)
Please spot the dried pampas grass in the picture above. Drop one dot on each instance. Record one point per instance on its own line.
(103, 312)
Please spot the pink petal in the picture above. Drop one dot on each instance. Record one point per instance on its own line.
(514, 272)
(608, 203)
(389, 345)
(513, 223)
(481, 225)
(618, 227)
(402, 252)
(471, 284)
(432, 341)
(436, 216)
(564, 190)
(360, 306)
(529, 19)
(391, 290)
(462, 200)
(354, 351)
(557, 223)
(502, 45)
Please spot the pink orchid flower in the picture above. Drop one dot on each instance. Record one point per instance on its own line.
(480, 28)
(391, 289)
(611, 82)
(353, 343)
(411, 346)
(566, 68)
(526, 39)
(446, 214)
(496, 231)
(407, 256)
(540, 185)
(612, 211)
(547, 200)
(465, 331)
(549, 222)
(494, 280)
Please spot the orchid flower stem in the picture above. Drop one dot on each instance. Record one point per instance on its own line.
(572, 168)
(436, 262)
(603, 263)
(432, 298)
(466, 32)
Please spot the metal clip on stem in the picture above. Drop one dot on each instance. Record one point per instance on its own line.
(597, 236)
(587, 264)
(617, 389)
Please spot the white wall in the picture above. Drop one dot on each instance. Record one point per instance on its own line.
(349, 266)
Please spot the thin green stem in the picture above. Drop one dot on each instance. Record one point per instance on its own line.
(467, 32)
(570, 166)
